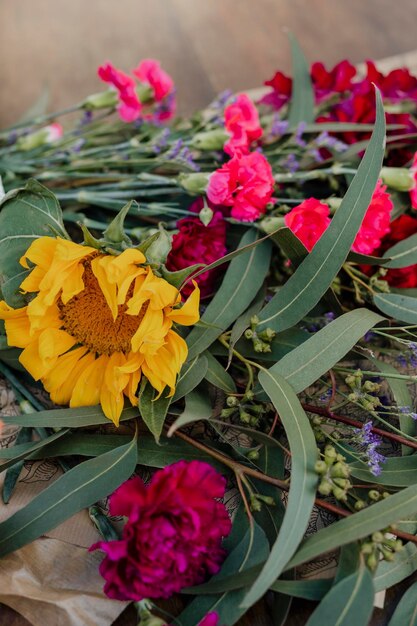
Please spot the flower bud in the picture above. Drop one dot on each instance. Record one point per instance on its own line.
(388, 555)
(320, 467)
(255, 503)
(227, 412)
(372, 562)
(377, 537)
(271, 224)
(206, 215)
(317, 420)
(210, 140)
(359, 505)
(329, 455)
(232, 401)
(103, 100)
(342, 482)
(398, 178)
(152, 620)
(253, 455)
(194, 183)
(339, 494)
(374, 495)
(245, 417)
(368, 385)
(249, 395)
(367, 547)
(325, 487)
(340, 470)
(41, 137)
(248, 333)
(267, 499)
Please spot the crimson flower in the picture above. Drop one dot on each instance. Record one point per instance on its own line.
(196, 243)
(129, 107)
(336, 80)
(172, 537)
(308, 221)
(376, 223)
(244, 183)
(402, 277)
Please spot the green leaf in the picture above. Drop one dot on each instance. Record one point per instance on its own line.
(349, 602)
(402, 308)
(249, 551)
(302, 99)
(307, 589)
(243, 321)
(71, 418)
(12, 474)
(217, 375)
(315, 274)
(26, 214)
(405, 613)
(302, 490)
(390, 573)
(191, 375)
(240, 284)
(76, 489)
(402, 254)
(33, 447)
(197, 407)
(380, 515)
(304, 365)
(153, 411)
(397, 472)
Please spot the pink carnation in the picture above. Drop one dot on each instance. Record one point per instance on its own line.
(172, 538)
(196, 243)
(336, 80)
(244, 183)
(376, 223)
(241, 121)
(308, 221)
(129, 107)
(413, 191)
(55, 131)
(149, 71)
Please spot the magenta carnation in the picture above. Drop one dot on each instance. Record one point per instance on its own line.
(211, 619)
(196, 243)
(376, 223)
(244, 183)
(172, 538)
(129, 107)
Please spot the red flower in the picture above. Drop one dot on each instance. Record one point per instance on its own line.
(398, 84)
(172, 538)
(196, 243)
(244, 183)
(281, 91)
(308, 221)
(241, 120)
(376, 223)
(130, 106)
(336, 80)
(401, 228)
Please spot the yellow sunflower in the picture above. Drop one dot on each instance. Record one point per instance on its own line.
(96, 324)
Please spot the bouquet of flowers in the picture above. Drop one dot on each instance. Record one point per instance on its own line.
(235, 296)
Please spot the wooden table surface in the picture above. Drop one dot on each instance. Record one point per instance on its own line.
(207, 46)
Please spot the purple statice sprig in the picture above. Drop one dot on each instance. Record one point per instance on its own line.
(369, 441)
(409, 356)
(406, 410)
(181, 154)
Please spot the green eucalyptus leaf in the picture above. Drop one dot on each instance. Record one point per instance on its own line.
(240, 284)
(25, 215)
(402, 308)
(402, 254)
(76, 489)
(306, 589)
(153, 410)
(192, 374)
(301, 107)
(33, 447)
(304, 365)
(389, 573)
(217, 375)
(405, 613)
(348, 602)
(316, 273)
(243, 321)
(24, 437)
(302, 490)
(396, 472)
(197, 407)
(71, 418)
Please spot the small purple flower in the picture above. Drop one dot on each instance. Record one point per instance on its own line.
(299, 135)
(325, 396)
(404, 409)
(325, 140)
(161, 140)
(315, 153)
(368, 336)
(279, 127)
(330, 316)
(291, 163)
(370, 441)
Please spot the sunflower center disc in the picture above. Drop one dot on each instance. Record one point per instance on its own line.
(87, 318)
